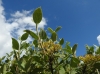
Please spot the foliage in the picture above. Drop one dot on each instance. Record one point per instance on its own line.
(48, 55)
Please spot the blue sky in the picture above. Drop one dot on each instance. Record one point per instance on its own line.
(80, 19)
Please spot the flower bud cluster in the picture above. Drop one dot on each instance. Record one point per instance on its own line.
(50, 47)
(89, 58)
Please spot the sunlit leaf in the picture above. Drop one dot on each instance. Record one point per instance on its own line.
(24, 36)
(15, 44)
(23, 63)
(4, 69)
(73, 71)
(37, 15)
(32, 34)
(62, 70)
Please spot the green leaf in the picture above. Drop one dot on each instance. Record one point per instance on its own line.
(24, 45)
(50, 30)
(37, 15)
(61, 41)
(42, 34)
(73, 71)
(97, 65)
(3, 57)
(74, 62)
(35, 42)
(28, 63)
(15, 55)
(37, 59)
(15, 44)
(68, 50)
(87, 47)
(24, 36)
(23, 63)
(38, 70)
(98, 50)
(67, 44)
(62, 70)
(32, 34)
(68, 47)
(58, 28)
(9, 73)
(54, 36)
(90, 50)
(74, 49)
(4, 69)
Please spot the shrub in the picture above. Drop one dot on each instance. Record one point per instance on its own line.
(47, 54)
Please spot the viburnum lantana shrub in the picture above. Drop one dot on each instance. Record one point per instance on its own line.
(48, 54)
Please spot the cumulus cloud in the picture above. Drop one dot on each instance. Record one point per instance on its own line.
(98, 38)
(19, 21)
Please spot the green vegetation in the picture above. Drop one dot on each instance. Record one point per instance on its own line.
(48, 55)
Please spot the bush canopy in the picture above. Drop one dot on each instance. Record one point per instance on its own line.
(48, 54)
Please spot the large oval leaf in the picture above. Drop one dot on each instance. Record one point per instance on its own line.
(37, 15)
(15, 44)
(33, 35)
(54, 36)
(24, 36)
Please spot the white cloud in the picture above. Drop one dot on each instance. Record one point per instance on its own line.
(98, 38)
(13, 27)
